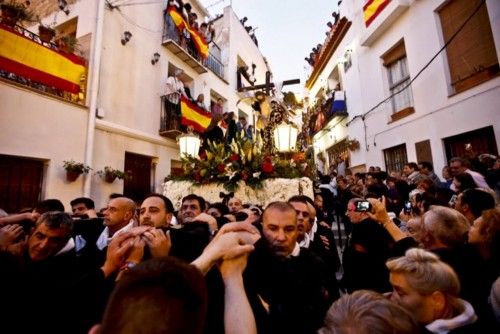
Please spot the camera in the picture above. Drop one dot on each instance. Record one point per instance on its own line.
(363, 206)
(453, 200)
(407, 207)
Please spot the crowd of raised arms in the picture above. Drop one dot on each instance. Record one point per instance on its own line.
(378, 252)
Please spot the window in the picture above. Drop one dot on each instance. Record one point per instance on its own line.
(472, 58)
(398, 77)
(395, 158)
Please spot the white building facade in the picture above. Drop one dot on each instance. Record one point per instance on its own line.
(410, 98)
(118, 122)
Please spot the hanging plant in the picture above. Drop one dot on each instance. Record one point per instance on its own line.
(110, 174)
(353, 144)
(75, 169)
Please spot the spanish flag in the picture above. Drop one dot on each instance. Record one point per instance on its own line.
(199, 42)
(194, 116)
(31, 60)
(372, 8)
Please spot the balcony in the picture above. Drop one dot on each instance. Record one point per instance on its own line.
(27, 61)
(213, 62)
(170, 121)
(189, 54)
(322, 114)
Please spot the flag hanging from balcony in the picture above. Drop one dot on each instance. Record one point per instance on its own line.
(31, 60)
(372, 8)
(192, 115)
(181, 24)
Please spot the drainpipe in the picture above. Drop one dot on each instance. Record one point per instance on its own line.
(95, 65)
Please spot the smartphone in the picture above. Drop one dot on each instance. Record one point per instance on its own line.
(363, 206)
(453, 200)
(407, 207)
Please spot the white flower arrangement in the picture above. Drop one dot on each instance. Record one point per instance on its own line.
(273, 190)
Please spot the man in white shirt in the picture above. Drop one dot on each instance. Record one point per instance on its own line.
(117, 219)
(460, 165)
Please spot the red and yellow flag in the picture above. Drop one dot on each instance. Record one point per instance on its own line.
(199, 42)
(372, 8)
(29, 59)
(194, 116)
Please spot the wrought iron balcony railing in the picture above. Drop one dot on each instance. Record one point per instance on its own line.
(17, 68)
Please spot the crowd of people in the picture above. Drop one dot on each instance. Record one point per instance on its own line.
(420, 255)
(182, 35)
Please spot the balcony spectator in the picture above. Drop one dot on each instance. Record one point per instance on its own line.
(207, 32)
(174, 91)
(171, 29)
(217, 109)
(200, 102)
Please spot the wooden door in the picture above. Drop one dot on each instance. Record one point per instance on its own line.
(20, 182)
(138, 183)
(482, 141)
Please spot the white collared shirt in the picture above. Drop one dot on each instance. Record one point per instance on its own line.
(104, 239)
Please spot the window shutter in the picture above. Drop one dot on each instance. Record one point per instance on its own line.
(472, 52)
(394, 54)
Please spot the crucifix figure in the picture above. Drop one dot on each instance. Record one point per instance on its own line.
(269, 113)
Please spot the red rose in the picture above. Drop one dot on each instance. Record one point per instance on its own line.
(267, 167)
(234, 157)
(221, 168)
(197, 177)
(244, 176)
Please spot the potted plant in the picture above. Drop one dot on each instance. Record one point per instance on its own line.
(46, 33)
(74, 169)
(13, 12)
(353, 144)
(67, 43)
(110, 174)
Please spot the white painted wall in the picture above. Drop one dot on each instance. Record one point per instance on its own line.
(130, 87)
(41, 127)
(437, 113)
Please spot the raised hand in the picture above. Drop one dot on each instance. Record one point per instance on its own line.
(158, 242)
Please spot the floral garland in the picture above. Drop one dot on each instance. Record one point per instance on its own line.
(243, 160)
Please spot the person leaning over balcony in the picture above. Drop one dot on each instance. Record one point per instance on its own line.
(174, 91)
(172, 32)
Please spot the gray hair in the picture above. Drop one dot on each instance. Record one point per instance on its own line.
(445, 225)
(426, 273)
(367, 312)
(56, 219)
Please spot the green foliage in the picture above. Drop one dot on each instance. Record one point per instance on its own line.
(77, 167)
(243, 160)
(113, 173)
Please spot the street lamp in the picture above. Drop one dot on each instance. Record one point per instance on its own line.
(285, 137)
(189, 144)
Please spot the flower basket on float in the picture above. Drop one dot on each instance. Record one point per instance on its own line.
(244, 168)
